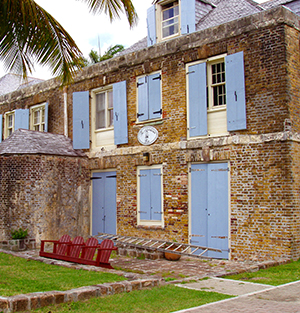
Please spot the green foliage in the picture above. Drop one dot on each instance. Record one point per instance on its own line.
(95, 57)
(274, 276)
(19, 233)
(160, 300)
(19, 276)
(30, 34)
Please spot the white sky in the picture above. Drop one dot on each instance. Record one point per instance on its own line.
(85, 28)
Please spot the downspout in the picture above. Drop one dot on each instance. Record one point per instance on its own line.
(65, 112)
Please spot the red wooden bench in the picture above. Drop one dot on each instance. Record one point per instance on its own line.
(79, 252)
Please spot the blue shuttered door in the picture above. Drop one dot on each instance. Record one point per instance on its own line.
(151, 26)
(143, 99)
(218, 209)
(145, 195)
(81, 133)
(235, 92)
(197, 100)
(1, 127)
(188, 20)
(46, 117)
(110, 211)
(199, 205)
(209, 207)
(22, 119)
(104, 203)
(98, 204)
(120, 113)
(154, 87)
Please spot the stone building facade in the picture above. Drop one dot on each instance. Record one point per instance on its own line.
(225, 176)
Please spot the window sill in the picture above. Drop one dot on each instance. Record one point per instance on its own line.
(150, 122)
(153, 227)
(101, 130)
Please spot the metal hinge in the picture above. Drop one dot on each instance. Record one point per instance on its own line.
(156, 112)
(92, 178)
(142, 175)
(196, 170)
(190, 72)
(221, 170)
(157, 174)
(158, 77)
(139, 114)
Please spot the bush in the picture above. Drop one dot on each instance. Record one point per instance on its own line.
(19, 234)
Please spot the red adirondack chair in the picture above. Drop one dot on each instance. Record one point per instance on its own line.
(75, 247)
(59, 247)
(104, 252)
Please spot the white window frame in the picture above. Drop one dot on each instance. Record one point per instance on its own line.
(159, 18)
(149, 222)
(6, 120)
(212, 111)
(38, 108)
(104, 135)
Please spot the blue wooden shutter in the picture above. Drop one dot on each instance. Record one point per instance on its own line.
(235, 92)
(98, 203)
(22, 119)
(217, 209)
(199, 205)
(0, 127)
(154, 91)
(120, 113)
(46, 116)
(197, 100)
(110, 212)
(143, 114)
(187, 16)
(81, 126)
(151, 25)
(145, 187)
(155, 191)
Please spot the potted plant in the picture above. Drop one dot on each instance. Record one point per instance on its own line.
(18, 239)
(171, 256)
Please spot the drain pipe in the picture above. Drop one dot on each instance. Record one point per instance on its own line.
(65, 112)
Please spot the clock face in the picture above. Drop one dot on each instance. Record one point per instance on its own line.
(147, 135)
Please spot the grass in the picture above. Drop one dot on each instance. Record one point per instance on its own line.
(158, 300)
(19, 276)
(277, 275)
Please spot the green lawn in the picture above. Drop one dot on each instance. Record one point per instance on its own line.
(159, 300)
(277, 275)
(19, 275)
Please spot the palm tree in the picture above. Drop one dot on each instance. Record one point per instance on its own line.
(29, 34)
(95, 57)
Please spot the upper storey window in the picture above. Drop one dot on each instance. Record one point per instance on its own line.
(170, 19)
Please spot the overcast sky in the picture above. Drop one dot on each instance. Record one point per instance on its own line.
(85, 28)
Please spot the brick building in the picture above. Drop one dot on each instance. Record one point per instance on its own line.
(192, 134)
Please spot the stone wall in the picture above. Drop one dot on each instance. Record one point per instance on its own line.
(263, 159)
(48, 195)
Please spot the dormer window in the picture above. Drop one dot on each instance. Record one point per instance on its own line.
(170, 19)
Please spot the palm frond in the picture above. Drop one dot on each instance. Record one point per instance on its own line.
(113, 8)
(29, 34)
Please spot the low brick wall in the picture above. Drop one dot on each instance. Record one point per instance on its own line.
(37, 300)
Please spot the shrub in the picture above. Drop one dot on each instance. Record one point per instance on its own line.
(19, 234)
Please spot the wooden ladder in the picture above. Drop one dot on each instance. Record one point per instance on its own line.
(159, 245)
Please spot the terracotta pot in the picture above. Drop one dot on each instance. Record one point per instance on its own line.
(172, 256)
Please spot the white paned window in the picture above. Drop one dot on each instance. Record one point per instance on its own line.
(104, 109)
(9, 123)
(170, 19)
(37, 117)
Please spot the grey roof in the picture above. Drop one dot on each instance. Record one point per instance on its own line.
(24, 141)
(227, 11)
(11, 82)
(223, 11)
(274, 3)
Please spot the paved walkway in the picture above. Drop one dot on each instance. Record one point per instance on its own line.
(252, 298)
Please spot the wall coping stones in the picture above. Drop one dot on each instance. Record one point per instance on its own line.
(278, 15)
